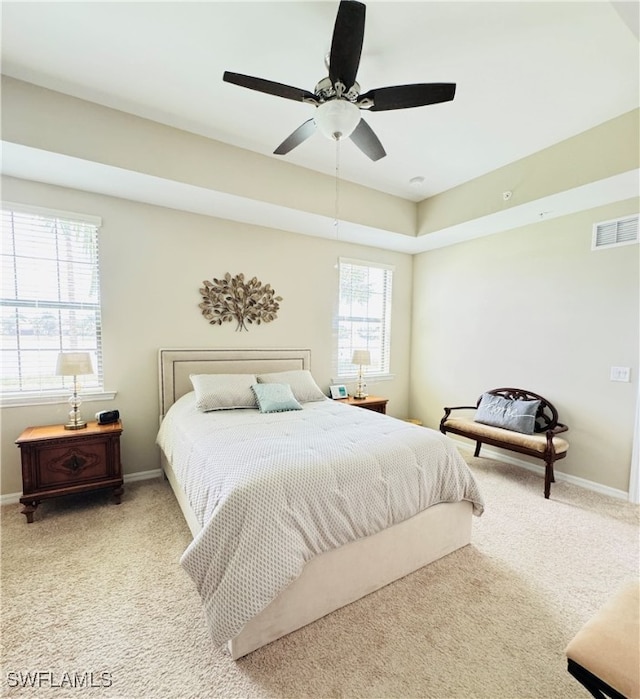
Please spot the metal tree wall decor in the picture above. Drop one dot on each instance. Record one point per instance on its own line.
(231, 298)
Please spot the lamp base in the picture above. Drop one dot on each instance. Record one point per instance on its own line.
(361, 387)
(75, 418)
(75, 425)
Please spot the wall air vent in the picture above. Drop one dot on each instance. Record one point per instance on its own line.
(620, 231)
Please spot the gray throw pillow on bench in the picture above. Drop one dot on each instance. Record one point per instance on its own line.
(516, 415)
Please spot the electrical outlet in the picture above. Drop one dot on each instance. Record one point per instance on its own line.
(620, 373)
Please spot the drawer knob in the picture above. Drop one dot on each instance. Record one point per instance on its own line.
(75, 463)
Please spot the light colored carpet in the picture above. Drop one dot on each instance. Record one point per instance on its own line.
(91, 587)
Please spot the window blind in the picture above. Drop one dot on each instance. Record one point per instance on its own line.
(49, 297)
(364, 315)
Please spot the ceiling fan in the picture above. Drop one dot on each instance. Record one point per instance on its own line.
(337, 97)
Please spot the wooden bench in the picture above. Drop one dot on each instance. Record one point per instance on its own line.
(543, 444)
(604, 655)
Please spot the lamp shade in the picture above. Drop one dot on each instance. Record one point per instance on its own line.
(362, 357)
(74, 364)
(337, 118)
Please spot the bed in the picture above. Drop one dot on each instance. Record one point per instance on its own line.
(268, 560)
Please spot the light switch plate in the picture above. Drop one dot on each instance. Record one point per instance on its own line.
(620, 373)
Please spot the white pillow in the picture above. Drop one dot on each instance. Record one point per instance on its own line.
(223, 391)
(303, 386)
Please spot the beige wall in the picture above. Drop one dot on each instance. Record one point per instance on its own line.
(535, 308)
(153, 261)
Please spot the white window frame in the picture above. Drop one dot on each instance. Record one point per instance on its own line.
(47, 388)
(380, 351)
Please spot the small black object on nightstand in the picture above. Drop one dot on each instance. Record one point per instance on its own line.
(106, 417)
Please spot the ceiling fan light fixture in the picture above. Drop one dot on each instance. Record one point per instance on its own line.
(337, 118)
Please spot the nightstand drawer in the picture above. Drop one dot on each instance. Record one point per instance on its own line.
(73, 463)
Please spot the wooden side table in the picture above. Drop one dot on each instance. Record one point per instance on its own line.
(375, 403)
(59, 462)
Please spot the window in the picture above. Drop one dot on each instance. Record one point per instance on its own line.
(50, 298)
(364, 315)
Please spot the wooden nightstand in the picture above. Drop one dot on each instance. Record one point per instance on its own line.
(375, 403)
(58, 462)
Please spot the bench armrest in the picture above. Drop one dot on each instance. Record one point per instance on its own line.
(447, 412)
(550, 434)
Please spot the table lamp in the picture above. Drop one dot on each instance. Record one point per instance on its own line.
(361, 358)
(74, 364)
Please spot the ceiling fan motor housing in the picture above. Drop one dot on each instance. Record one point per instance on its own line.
(326, 90)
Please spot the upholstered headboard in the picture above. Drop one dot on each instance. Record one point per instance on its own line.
(175, 365)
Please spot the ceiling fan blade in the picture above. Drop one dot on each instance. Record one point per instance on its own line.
(346, 44)
(367, 141)
(405, 96)
(301, 134)
(268, 86)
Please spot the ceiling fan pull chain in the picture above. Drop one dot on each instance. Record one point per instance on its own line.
(336, 220)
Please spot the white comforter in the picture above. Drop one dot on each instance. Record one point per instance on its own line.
(273, 490)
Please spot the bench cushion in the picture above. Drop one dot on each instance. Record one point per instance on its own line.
(608, 645)
(535, 442)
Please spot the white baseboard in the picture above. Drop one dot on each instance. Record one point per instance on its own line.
(560, 476)
(13, 498)
(142, 475)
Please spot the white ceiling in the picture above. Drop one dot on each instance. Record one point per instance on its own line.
(528, 74)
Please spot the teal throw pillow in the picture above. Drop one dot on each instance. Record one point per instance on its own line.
(275, 397)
